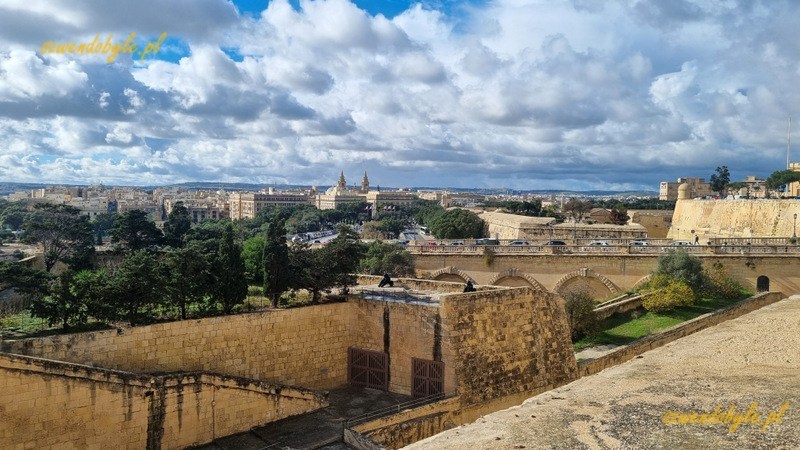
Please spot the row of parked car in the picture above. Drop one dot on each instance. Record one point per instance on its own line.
(557, 243)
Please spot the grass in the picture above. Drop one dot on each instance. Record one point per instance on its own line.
(625, 328)
(23, 325)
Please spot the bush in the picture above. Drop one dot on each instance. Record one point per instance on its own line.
(720, 284)
(675, 293)
(682, 267)
(580, 314)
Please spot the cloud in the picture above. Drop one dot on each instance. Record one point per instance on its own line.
(514, 93)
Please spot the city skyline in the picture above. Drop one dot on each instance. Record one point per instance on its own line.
(525, 95)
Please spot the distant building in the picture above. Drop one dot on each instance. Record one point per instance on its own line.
(340, 194)
(668, 190)
(247, 205)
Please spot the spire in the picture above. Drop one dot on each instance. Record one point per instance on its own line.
(342, 183)
(365, 183)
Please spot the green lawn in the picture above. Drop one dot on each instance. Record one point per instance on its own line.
(627, 327)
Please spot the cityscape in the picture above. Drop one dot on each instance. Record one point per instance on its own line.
(369, 224)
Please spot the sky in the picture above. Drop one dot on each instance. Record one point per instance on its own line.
(518, 94)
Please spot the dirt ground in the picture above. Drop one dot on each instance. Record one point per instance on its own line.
(751, 363)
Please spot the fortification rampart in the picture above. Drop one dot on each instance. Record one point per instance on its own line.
(733, 218)
(45, 403)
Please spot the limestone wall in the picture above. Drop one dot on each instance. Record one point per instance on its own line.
(506, 342)
(50, 404)
(300, 346)
(733, 218)
(404, 331)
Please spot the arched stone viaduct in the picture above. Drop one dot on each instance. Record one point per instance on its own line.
(604, 276)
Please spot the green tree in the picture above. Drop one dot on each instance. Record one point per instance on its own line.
(457, 224)
(190, 277)
(29, 282)
(94, 290)
(133, 230)
(253, 256)
(102, 223)
(683, 267)
(619, 215)
(581, 317)
(12, 214)
(275, 260)
(177, 225)
(383, 258)
(311, 269)
(576, 209)
(64, 233)
(138, 286)
(720, 179)
(60, 306)
(231, 283)
(343, 255)
(778, 180)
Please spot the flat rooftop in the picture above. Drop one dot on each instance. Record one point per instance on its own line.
(752, 362)
(399, 294)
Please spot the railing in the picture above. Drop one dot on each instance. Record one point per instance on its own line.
(394, 409)
(728, 248)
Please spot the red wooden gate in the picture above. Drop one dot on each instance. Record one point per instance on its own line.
(428, 377)
(367, 368)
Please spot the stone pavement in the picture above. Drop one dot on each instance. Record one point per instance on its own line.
(749, 362)
(321, 429)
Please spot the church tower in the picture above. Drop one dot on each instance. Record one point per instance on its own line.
(365, 183)
(342, 183)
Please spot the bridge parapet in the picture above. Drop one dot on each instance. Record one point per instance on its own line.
(728, 248)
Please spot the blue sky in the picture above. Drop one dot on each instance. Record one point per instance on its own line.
(526, 94)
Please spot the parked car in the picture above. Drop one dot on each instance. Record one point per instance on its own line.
(456, 243)
(487, 242)
(680, 243)
(518, 243)
(639, 243)
(599, 243)
(554, 243)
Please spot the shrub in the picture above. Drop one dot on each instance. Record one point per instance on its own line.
(675, 293)
(682, 267)
(720, 284)
(488, 256)
(580, 314)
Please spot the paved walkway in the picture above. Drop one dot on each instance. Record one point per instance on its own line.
(321, 429)
(749, 362)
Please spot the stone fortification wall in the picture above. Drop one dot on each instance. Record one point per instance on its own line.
(404, 331)
(655, 221)
(733, 218)
(507, 341)
(299, 346)
(511, 226)
(50, 404)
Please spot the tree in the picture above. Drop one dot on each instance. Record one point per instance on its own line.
(682, 267)
(778, 180)
(190, 277)
(94, 290)
(64, 233)
(342, 256)
(275, 260)
(619, 215)
(29, 282)
(60, 305)
(253, 256)
(101, 224)
(230, 283)
(12, 215)
(177, 225)
(720, 179)
(675, 293)
(457, 224)
(311, 269)
(383, 258)
(133, 230)
(581, 317)
(576, 209)
(138, 286)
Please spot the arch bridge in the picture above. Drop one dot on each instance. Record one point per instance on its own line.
(603, 276)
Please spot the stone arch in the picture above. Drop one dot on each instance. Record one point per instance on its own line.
(515, 273)
(449, 273)
(762, 283)
(641, 282)
(588, 273)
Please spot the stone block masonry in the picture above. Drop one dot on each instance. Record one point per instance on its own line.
(51, 404)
